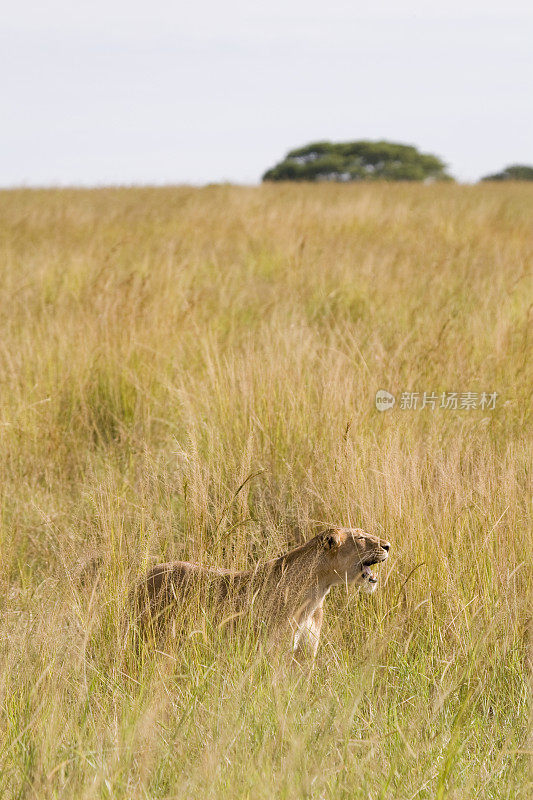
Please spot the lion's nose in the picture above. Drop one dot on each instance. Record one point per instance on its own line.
(386, 546)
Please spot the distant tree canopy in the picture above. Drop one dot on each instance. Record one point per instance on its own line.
(516, 172)
(357, 161)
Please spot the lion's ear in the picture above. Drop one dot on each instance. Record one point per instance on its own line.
(332, 539)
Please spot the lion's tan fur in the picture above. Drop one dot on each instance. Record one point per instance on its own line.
(284, 593)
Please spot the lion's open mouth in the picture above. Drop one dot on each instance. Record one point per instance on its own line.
(366, 572)
(368, 575)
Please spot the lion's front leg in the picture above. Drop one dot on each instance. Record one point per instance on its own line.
(306, 637)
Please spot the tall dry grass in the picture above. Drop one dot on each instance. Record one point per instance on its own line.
(158, 348)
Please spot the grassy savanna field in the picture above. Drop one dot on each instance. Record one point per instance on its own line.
(190, 373)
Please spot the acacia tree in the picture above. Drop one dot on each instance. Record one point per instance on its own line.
(357, 161)
(516, 172)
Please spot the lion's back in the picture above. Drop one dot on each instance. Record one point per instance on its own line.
(180, 587)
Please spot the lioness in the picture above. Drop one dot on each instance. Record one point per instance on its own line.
(285, 593)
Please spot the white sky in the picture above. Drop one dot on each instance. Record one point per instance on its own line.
(203, 91)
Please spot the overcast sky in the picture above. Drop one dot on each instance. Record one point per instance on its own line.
(201, 91)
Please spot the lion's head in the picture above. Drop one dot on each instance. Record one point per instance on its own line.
(350, 554)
